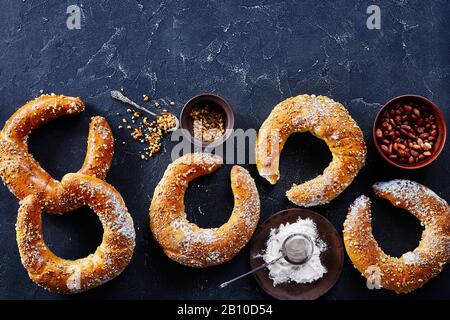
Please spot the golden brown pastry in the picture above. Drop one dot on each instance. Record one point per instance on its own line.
(72, 276)
(184, 241)
(413, 269)
(23, 175)
(325, 119)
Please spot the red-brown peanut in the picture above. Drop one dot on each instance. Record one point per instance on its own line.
(406, 132)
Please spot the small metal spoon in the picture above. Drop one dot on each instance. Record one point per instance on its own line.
(119, 96)
(296, 249)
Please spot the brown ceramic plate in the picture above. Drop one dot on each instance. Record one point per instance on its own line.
(333, 258)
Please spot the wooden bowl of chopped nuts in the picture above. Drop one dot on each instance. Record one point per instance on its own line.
(207, 120)
(409, 132)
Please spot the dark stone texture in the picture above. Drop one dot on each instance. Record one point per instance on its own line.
(254, 55)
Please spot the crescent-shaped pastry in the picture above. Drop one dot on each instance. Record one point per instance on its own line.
(72, 276)
(413, 269)
(23, 175)
(325, 119)
(185, 242)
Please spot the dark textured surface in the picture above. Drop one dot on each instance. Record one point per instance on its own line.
(254, 55)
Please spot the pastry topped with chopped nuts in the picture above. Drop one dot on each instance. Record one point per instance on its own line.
(413, 269)
(326, 119)
(184, 241)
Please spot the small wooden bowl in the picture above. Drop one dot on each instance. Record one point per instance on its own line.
(186, 121)
(440, 123)
(332, 258)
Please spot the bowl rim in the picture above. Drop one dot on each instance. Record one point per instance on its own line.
(229, 118)
(436, 112)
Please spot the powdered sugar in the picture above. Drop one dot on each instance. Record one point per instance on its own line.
(410, 258)
(116, 216)
(193, 234)
(317, 191)
(282, 271)
(373, 274)
(73, 283)
(360, 203)
(414, 197)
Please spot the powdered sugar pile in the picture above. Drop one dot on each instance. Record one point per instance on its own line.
(282, 271)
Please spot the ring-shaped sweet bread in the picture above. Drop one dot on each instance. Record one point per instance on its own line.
(413, 269)
(71, 276)
(184, 241)
(24, 176)
(325, 119)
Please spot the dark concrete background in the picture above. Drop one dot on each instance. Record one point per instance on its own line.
(253, 53)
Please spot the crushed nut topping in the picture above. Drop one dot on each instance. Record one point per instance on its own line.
(209, 122)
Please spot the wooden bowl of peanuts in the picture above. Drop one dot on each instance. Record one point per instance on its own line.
(409, 132)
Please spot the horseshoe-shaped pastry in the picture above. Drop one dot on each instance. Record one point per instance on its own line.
(72, 276)
(23, 175)
(325, 119)
(413, 269)
(185, 242)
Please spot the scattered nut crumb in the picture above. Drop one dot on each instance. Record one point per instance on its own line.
(149, 132)
(166, 121)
